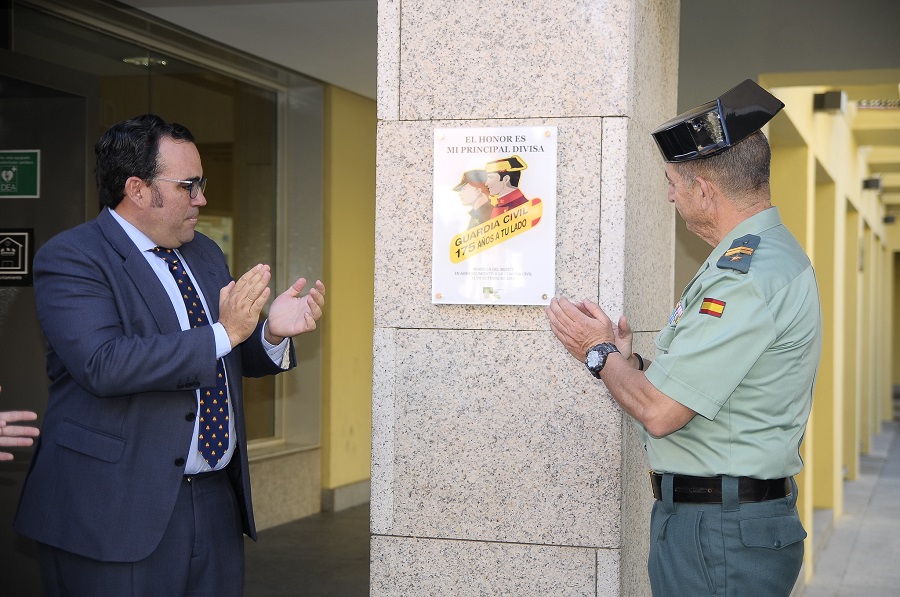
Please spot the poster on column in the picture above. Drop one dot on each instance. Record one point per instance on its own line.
(494, 238)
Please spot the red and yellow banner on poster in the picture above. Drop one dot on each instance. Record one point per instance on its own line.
(496, 230)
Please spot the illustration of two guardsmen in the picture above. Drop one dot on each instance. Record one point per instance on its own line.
(492, 191)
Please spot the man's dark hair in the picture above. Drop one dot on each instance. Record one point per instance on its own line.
(131, 148)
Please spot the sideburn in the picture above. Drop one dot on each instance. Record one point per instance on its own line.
(156, 199)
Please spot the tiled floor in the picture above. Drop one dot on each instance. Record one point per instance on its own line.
(327, 555)
(862, 555)
(324, 555)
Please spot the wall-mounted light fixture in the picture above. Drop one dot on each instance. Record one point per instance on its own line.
(145, 61)
(830, 101)
(872, 184)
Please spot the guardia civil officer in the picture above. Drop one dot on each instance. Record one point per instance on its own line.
(724, 405)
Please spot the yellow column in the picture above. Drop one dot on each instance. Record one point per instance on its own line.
(793, 192)
(894, 362)
(887, 325)
(851, 364)
(865, 346)
(828, 402)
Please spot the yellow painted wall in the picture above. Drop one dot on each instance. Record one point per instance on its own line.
(347, 325)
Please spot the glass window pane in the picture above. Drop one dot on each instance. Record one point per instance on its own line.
(235, 126)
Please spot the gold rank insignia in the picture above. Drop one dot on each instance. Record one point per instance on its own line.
(738, 256)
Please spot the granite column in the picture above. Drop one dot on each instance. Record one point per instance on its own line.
(499, 465)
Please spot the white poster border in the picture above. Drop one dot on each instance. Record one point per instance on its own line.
(504, 252)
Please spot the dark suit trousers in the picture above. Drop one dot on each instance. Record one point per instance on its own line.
(201, 553)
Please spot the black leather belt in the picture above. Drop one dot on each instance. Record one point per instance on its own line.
(708, 490)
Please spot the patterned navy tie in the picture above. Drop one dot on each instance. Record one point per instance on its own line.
(213, 437)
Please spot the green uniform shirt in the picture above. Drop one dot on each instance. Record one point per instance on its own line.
(741, 350)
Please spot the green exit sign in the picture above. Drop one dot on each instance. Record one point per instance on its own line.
(20, 173)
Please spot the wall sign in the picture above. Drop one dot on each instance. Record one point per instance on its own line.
(16, 257)
(494, 238)
(20, 173)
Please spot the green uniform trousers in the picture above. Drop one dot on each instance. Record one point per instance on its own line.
(725, 550)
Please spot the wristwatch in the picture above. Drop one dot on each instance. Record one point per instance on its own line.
(596, 357)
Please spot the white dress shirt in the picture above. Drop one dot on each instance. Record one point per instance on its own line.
(195, 463)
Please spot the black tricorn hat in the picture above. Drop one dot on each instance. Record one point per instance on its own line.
(717, 125)
(511, 164)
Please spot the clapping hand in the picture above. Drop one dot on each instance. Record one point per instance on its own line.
(294, 313)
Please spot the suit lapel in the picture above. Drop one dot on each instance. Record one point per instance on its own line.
(141, 274)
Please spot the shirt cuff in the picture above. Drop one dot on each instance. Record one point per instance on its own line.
(223, 344)
(280, 353)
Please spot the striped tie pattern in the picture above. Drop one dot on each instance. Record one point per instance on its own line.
(213, 430)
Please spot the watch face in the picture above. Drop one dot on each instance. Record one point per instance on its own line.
(593, 358)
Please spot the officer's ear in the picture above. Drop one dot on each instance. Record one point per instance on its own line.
(707, 190)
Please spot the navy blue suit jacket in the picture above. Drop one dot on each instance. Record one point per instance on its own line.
(119, 420)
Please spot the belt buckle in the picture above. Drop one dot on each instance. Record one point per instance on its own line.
(650, 474)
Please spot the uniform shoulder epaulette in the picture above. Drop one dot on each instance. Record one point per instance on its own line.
(739, 255)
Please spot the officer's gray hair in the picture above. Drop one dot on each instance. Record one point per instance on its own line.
(739, 171)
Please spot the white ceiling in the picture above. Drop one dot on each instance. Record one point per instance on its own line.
(330, 40)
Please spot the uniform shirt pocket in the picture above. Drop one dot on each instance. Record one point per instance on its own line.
(664, 339)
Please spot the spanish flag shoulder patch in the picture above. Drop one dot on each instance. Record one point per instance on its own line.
(711, 306)
(739, 255)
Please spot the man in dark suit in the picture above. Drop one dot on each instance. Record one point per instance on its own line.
(140, 483)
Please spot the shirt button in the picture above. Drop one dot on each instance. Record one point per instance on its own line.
(777, 544)
(179, 462)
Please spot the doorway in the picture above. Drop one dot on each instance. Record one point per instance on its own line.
(46, 113)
